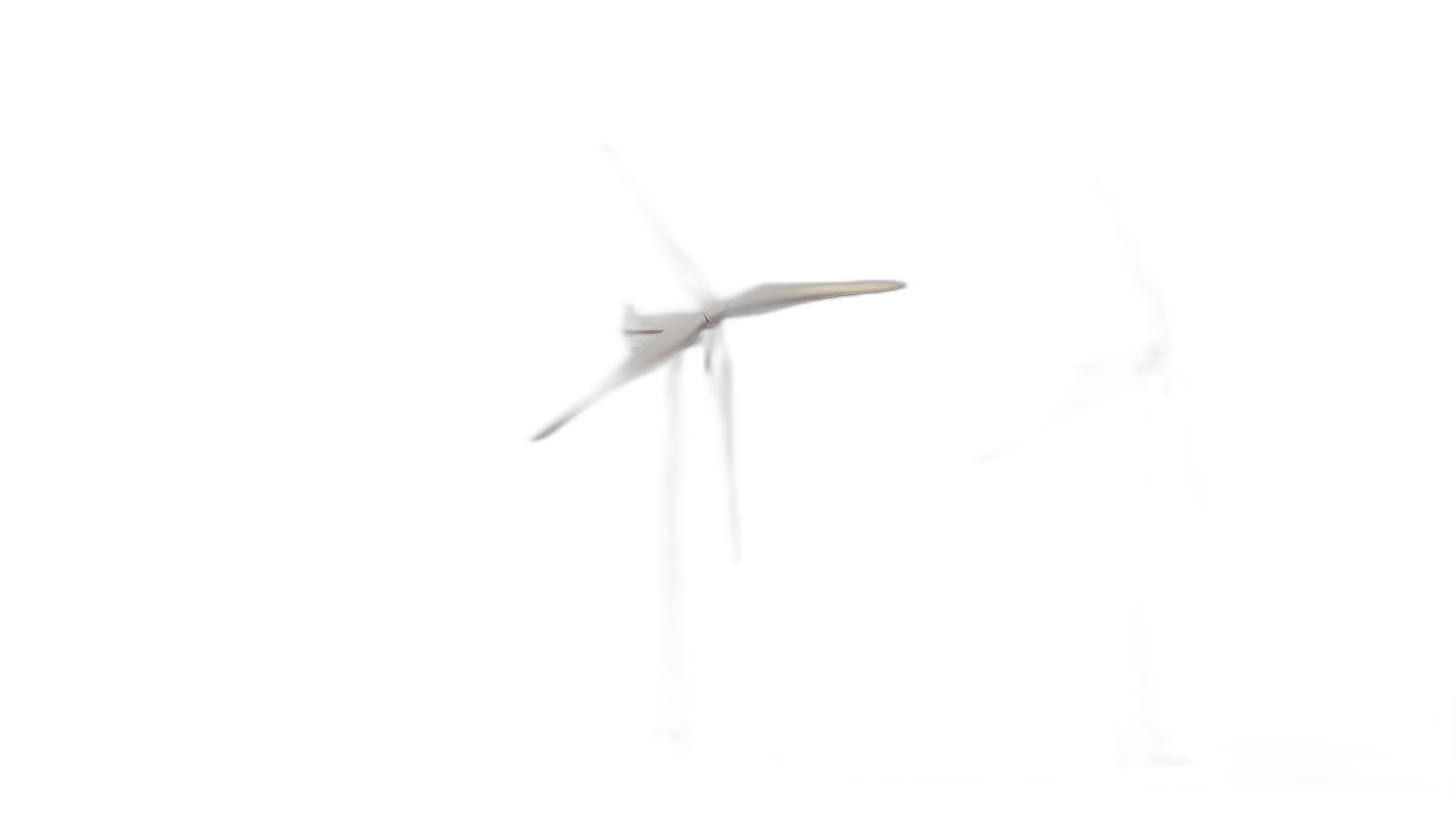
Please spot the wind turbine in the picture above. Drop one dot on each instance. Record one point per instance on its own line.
(657, 339)
(1143, 367)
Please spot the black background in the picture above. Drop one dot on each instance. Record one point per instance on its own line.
(456, 274)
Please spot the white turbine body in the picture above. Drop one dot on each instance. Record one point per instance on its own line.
(660, 341)
(663, 336)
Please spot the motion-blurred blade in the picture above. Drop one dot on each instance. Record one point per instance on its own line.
(657, 351)
(720, 373)
(774, 296)
(687, 273)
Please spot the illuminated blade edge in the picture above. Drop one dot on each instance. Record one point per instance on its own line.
(770, 297)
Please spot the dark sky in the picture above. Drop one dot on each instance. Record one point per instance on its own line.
(487, 261)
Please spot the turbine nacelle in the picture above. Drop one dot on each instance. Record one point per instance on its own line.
(640, 329)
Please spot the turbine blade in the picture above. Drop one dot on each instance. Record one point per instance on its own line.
(771, 297)
(657, 351)
(687, 273)
(721, 376)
